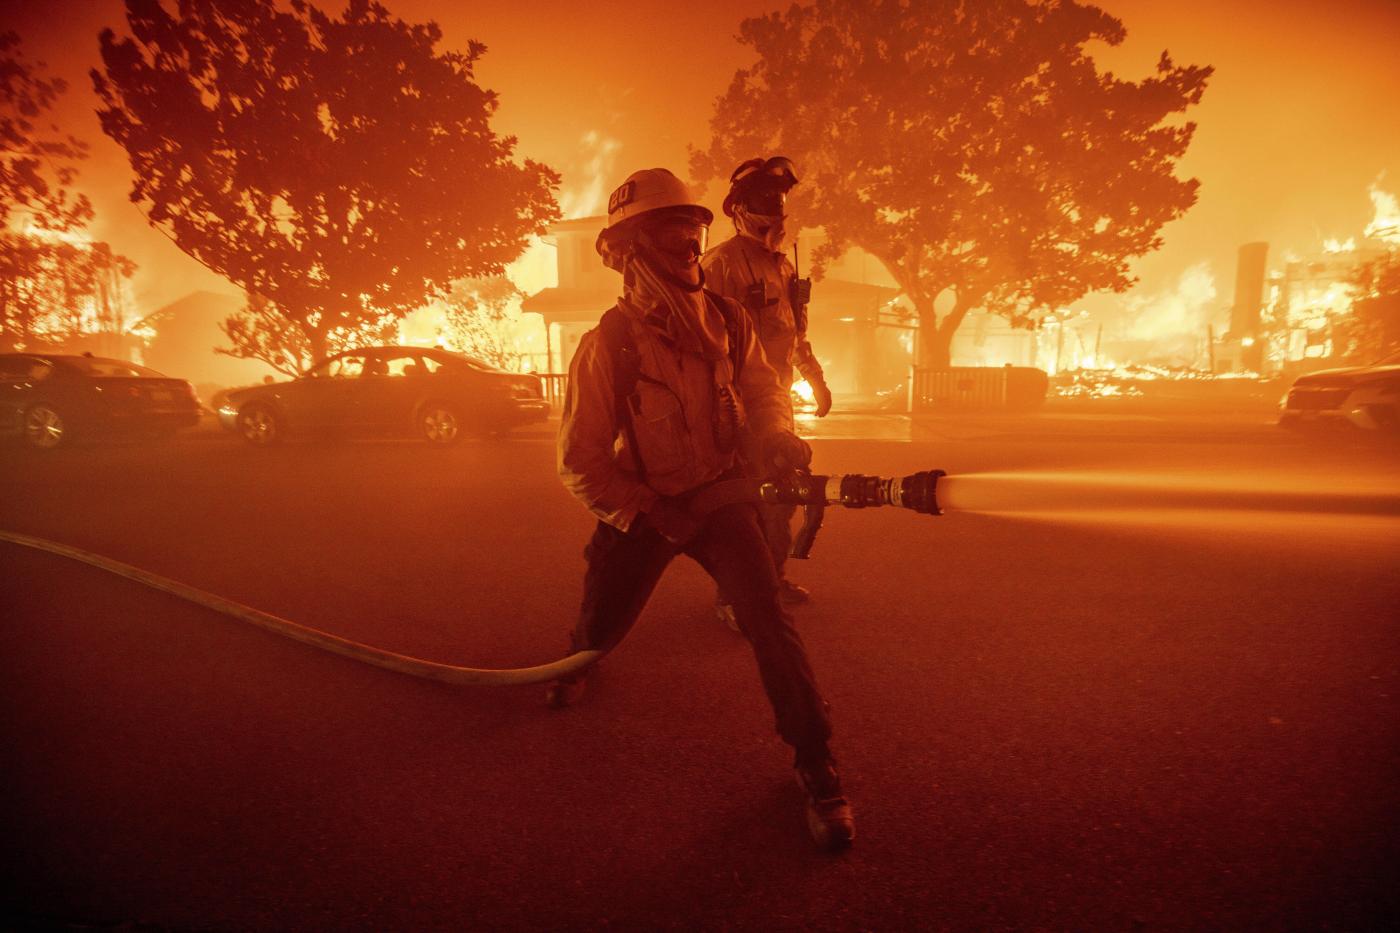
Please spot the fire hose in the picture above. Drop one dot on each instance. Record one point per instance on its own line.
(917, 492)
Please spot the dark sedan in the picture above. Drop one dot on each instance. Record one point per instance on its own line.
(49, 399)
(1365, 397)
(432, 394)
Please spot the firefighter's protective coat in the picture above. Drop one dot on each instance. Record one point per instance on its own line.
(674, 413)
(738, 268)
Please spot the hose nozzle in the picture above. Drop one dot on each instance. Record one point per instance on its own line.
(917, 491)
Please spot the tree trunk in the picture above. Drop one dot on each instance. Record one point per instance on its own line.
(938, 341)
(935, 343)
(936, 337)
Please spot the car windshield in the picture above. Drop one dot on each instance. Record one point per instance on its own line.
(1390, 359)
(99, 367)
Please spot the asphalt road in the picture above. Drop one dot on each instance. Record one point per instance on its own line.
(1139, 708)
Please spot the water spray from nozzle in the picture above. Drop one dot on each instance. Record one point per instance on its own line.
(1041, 492)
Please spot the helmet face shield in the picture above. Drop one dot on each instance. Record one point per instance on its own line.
(646, 202)
(781, 167)
(679, 235)
(680, 238)
(767, 200)
(778, 169)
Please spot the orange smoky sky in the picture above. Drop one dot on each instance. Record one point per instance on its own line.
(1297, 123)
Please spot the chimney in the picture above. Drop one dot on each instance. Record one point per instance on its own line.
(1249, 290)
(1249, 302)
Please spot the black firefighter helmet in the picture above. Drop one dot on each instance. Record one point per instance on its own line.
(760, 184)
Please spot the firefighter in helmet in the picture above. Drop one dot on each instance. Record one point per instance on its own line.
(752, 268)
(661, 398)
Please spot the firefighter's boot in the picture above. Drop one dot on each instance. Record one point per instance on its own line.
(791, 594)
(830, 819)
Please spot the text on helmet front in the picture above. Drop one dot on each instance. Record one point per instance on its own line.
(622, 196)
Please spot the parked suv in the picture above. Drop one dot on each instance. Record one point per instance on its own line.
(1366, 397)
(432, 394)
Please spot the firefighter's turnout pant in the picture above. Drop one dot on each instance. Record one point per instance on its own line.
(777, 527)
(624, 568)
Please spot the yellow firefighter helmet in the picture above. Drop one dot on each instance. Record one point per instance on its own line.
(646, 191)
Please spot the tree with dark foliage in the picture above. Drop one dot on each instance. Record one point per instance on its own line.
(55, 283)
(37, 163)
(974, 148)
(342, 170)
(478, 319)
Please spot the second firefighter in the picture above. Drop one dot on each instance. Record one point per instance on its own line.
(753, 269)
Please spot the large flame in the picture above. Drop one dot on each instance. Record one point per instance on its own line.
(1184, 309)
(587, 197)
(103, 305)
(28, 228)
(1385, 224)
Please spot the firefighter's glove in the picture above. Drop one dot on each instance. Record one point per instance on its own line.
(821, 393)
(672, 521)
(784, 452)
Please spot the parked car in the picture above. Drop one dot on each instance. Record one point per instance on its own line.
(432, 394)
(48, 399)
(1365, 397)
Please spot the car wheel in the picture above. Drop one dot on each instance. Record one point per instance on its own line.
(259, 425)
(44, 427)
(439, 423)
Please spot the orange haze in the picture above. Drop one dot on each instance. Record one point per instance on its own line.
(1295, 126)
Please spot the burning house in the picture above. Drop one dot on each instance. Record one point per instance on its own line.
(585, 289)
(1310, 306)
(1309, 311)
(63, 292)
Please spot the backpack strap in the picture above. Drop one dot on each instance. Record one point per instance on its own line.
(627, 372)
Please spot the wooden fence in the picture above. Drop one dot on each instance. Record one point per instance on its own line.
(554, 385)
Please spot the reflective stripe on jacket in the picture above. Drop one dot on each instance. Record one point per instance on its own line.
(673, 416)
